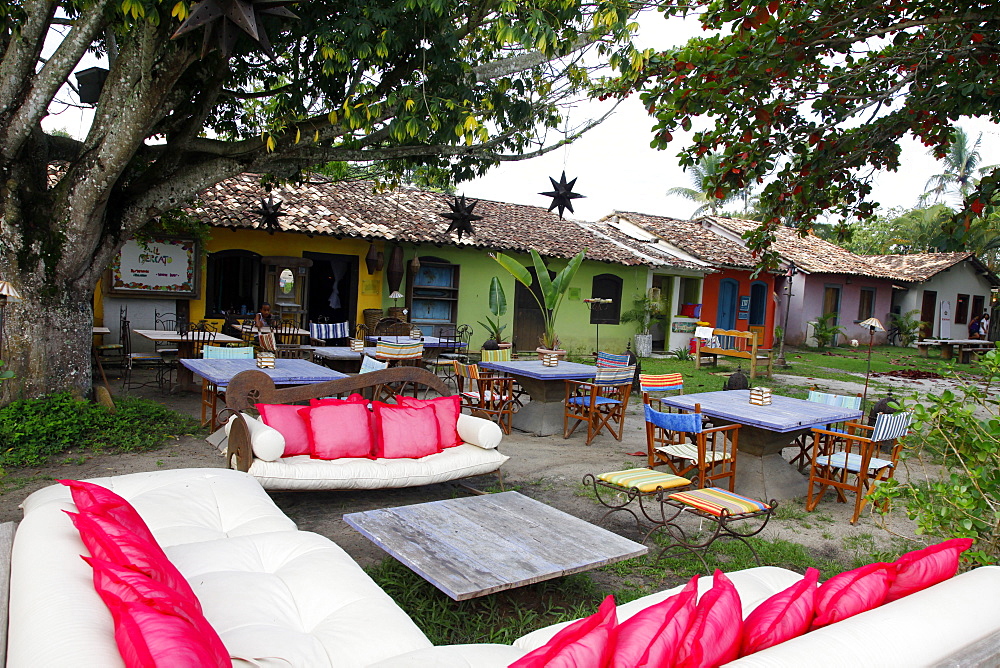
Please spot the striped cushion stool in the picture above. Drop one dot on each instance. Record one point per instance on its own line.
(731, 515)
(617, 490)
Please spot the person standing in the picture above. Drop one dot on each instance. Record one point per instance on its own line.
(984, 325)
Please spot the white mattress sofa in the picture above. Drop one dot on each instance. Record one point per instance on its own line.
(476, 456)
(282, 597)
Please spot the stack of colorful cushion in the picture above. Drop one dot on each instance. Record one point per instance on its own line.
(684, 631)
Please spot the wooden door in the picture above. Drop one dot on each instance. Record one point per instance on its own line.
(928, 306)
(726, 311)
(529, 325)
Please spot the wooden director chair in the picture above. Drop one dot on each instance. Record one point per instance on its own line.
(601, 404)
(491, 397)
(711, 454)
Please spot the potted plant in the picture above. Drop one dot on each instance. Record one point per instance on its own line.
(644, 312)
(825, 331)
(553, 291)
(498, 307)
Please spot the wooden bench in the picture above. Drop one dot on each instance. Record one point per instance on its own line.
(733, 343)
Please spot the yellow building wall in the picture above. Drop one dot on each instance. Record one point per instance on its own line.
(258, 241)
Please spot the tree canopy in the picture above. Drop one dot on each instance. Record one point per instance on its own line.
(401, 84)
(811, 97)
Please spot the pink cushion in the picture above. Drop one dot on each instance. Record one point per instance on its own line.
(713, 638)
(650, 637)
(153, 626)
(924, 568)
(111, 542)
(331, 401)
(781, 617)
(286, 419)
(339, 430)
(405, 432)
(89, 497)
(447, 410)
(853, 592)
(584, 643)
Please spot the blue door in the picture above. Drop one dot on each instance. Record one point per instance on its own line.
(728, 294)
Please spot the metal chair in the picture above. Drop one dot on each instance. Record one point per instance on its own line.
(490, 397)
(462, 337)
(391, 327)
(802, 442)
(200, 333)
(601, 404)
(852, 462)
(113, 354)
(286, 334)
(444, 353)
(133, 360)
(711, 455)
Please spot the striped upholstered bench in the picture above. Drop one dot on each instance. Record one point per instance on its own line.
(617, 490)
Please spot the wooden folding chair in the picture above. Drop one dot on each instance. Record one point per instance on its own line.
(601, 404)
(490, 397)
(801, 459)
(712, 452)
(853, 462)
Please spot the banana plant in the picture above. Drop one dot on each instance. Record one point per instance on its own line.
(553, 289)
(498, 307)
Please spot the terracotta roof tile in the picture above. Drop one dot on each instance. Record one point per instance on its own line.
(809, 252)
(353, 209)
(918, 267)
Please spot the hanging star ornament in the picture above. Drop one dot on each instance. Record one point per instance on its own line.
(269, 213)
(562, 194)
(461, 216)
(224, 20)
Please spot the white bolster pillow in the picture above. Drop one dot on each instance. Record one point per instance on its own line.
(479, 431)
(267, 442)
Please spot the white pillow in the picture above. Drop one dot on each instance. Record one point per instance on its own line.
(479, 431)
(267, 442)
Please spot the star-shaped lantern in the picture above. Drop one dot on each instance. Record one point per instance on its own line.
(461, 216)
(562, 194)
(225, 19)
(269, 213)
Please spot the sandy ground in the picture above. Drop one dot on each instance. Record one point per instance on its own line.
(549, 469)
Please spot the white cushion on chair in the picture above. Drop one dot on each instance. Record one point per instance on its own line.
(853, 462)
(688, 451)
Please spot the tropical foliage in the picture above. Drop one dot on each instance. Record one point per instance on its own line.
(397, 86)
(808, 97)
(498, 307)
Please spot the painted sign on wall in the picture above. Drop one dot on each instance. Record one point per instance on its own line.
(160, 267)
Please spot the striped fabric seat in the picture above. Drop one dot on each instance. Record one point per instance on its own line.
(664, 382)
(690, 451)
(614, 375)
(335, 330)
(223, 353)
(388, 350)
(851, 462)
(645, 480)
(501, 355)
(889, 426)
(585, 401)
(606, 360)
(713, 500)
(265, 340)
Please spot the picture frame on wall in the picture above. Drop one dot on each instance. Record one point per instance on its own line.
(159, 267)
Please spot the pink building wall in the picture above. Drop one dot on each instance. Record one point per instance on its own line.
(807, 304)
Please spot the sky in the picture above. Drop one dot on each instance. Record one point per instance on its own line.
(617, 170)
(613, 164)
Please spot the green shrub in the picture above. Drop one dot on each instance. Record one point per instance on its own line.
(32, 430)
(964, 499)
(825, 331)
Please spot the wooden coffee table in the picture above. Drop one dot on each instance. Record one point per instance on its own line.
(478, 545)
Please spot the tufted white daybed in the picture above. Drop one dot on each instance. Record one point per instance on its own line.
(476, 456)
(277, 596)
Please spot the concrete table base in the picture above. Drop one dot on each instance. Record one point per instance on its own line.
(761, 472)
(543, 415)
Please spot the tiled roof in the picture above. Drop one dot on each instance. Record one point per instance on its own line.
(809, 252)
(919, 267)
(352, 209)
(648, 246)
(692, 238)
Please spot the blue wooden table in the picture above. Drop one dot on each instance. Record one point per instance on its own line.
(428, 341)
(285, 371)
(761, 471)
(543, 415)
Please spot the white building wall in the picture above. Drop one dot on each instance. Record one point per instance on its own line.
(962, 278)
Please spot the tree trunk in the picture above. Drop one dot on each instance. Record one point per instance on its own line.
(47, 344)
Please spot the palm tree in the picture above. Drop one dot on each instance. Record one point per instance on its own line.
(702, 174)
(961, 164)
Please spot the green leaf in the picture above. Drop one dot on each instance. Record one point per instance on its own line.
(498, 300)
(514, 268)
(549, 293)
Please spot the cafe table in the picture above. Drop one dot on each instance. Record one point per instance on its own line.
(216, 375)
(428, 341)
(185, 349)
(543, 415)
(761, 472)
